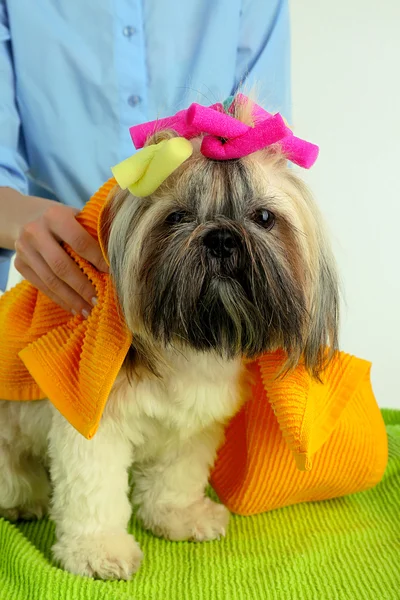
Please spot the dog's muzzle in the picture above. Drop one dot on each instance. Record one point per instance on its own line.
(220, 243)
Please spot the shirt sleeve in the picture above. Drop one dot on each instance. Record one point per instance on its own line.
(263, 54)
(13, 167)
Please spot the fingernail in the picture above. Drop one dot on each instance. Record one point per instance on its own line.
(74, 312)
(85, 313)
(94, 300)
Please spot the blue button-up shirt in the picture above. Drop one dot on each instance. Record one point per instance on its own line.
(74, 76)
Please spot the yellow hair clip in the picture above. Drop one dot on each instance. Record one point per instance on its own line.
(145, 171)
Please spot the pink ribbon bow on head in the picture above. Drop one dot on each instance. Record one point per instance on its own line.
(227, 138)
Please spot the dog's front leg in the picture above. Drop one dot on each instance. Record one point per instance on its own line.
(169, 490)
(90, 503)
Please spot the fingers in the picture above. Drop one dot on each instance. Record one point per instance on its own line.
(36, 270)
(78, 238)
(43, 262)
(62, 267)
(31, 276)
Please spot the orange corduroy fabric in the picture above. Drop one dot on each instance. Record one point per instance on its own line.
(297, 440)
(294, 440)
(46, 352)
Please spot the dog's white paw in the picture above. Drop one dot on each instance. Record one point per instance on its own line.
(27, 512)
(203, 521)
(105, 556)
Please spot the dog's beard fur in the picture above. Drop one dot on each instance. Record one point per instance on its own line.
(278, 289)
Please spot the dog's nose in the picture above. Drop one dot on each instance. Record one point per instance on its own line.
(220, 243)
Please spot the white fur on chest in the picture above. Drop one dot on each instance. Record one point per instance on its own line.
(197, 391)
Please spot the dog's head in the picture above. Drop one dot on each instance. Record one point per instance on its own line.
(228, 256)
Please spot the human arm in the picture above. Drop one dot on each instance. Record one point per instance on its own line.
(36, 226)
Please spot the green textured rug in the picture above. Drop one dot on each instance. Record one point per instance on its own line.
(338, 549)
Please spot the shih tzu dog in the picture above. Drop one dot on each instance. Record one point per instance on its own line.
(225, 260)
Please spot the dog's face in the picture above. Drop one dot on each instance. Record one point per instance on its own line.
(226, 256)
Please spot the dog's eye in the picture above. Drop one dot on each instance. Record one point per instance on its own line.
(264, 218)
(176, 217)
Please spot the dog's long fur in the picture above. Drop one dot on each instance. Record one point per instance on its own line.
(194, 317)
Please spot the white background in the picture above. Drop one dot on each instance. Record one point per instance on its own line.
(346, 98)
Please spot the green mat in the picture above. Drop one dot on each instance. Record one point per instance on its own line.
(338, 549)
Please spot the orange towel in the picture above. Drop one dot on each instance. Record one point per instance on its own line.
(46, 352)
(297, 440)
(294, 439)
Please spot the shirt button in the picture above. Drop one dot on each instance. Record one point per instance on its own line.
(134, 100)
(129, 31)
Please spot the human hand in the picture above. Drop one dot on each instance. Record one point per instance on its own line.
(41, 259)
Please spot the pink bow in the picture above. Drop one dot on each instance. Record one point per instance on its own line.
(226, 137)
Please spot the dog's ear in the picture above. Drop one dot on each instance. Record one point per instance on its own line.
(322, 331)
(321, 337)
(105, 219)
(321, 285)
